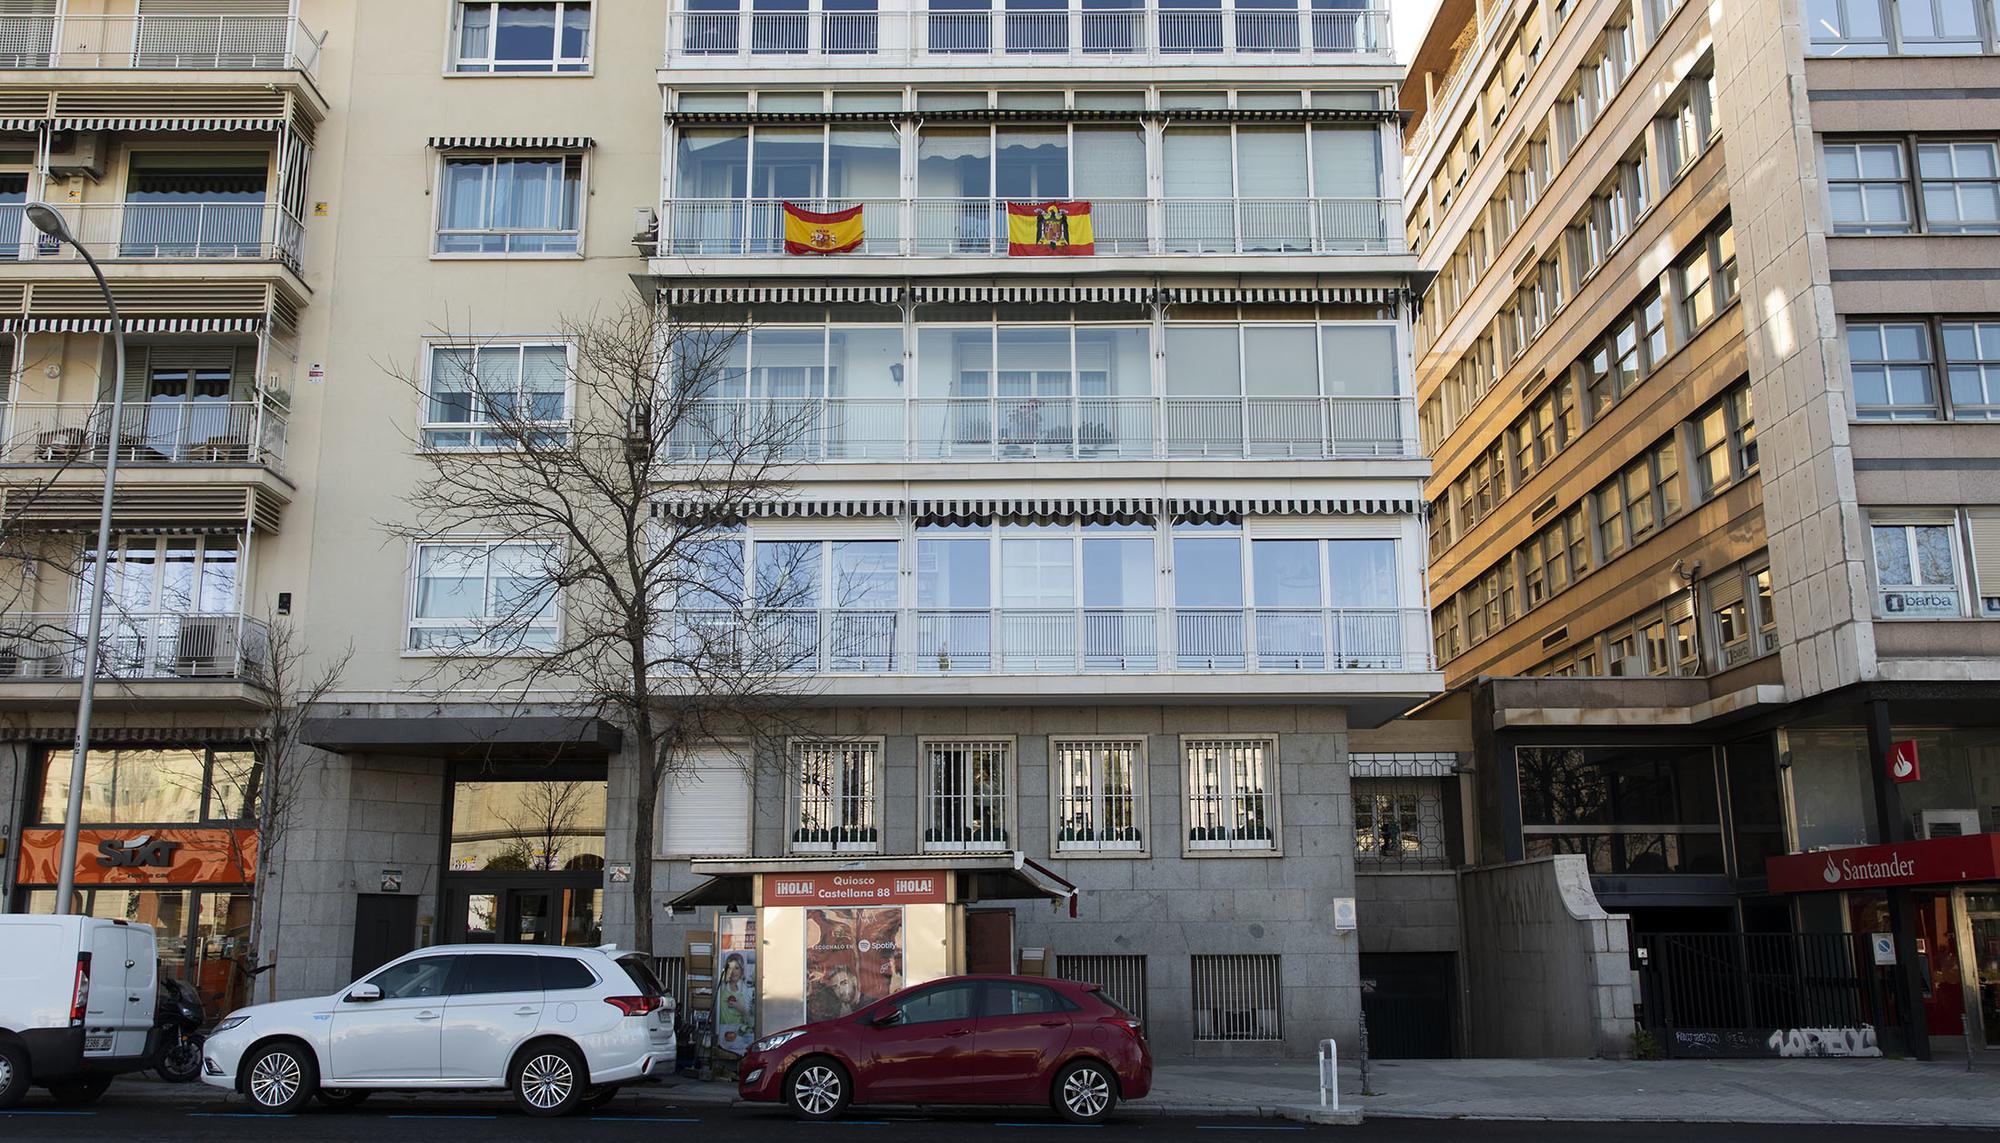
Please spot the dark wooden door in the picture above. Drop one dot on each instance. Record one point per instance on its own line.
(989, 941)
(385, 927)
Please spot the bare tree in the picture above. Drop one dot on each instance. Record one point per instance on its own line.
(545, 819)
(618, 581)
(290, 687)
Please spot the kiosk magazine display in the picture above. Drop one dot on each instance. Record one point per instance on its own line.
(854, 957)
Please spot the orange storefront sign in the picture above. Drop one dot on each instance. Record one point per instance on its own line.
(130, 855)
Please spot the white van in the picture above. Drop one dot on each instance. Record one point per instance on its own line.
(76, 1004)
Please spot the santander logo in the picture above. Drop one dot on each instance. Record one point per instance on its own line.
(1904, 767)
(1832, 873)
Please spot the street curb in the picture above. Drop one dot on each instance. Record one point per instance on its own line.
(1718, 1121)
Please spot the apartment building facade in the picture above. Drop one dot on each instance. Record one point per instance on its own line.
(1066, 512)
(1705, 545)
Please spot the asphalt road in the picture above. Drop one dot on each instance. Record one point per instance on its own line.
(435, 1121)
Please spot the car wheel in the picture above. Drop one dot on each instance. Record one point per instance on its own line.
(72, 1093)
(13, 1074)
(341, 1096)
(818, 1089)
(1085, 1092)
(279, 1078)
(549, 1080)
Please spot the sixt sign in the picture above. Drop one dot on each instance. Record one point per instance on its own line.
(136, 853)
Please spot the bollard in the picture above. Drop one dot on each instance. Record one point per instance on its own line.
(1329, 1074)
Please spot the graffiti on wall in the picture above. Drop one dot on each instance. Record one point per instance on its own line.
(1788, 1043)
(1794, 1043)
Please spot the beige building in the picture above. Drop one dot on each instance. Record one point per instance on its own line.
(1703, 368)
(1091, 501)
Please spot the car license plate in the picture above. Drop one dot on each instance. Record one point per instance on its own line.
(97, 1042)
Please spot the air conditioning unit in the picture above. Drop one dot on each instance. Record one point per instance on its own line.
(207, 647)
(1947, 823)
(645, 226)
(73, 153)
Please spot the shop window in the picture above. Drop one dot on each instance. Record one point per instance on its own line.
(1099, 795)
(1916, 569)
(1236, 997)
(1629, 811)
(835, 797)
(968, 795)
(153, 787)
(1232, 794)
(541, 826)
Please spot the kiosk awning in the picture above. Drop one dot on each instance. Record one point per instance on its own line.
(1007, 876)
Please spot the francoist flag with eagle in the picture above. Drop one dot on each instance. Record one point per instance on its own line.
(1044, 228)
(814, 232)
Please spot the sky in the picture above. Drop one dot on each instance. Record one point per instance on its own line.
(1407, 21)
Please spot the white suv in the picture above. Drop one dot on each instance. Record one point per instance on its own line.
(561, 1027)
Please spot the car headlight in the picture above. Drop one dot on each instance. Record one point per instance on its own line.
(229, 1022)
(777, 1041)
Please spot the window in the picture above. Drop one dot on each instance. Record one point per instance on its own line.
(561, 973)
(1972, 369)
(1725, 441)
(1686, 125)
(1236, 997)
(498, 972)
(1707, 277)
(1846, 28)
(835, 797)
(1938, 27)
(412, 979)
(968, 796)
(1629, 811)
(1739, 611)
(1232, 794)
(1121, 978)
(1961, 186)
(1868, 187)
(489, 395)
(511, 204)
(1099, 795)
(1006, 999)
(497, 596)
(153, 787)
(522, 38)
(940, 1004)
(1916, 569)
(1891, 363)
(1399, 822)
(705, 809)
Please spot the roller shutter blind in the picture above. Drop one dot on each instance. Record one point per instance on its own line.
(705, 809)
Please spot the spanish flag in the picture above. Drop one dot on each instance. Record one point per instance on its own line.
(810, 232)
(1043, 228)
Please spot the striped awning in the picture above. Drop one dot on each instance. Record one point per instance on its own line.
(1047, 115)
(152, 735)
(993, 293)
(512, 142)
(1336, 295)
(1217, 509)
(776, 509)
(152, 123)
(18, 125)
(134, 324)
(1089, 509)
(819, 293)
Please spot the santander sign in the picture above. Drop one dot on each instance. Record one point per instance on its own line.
(1938, 861)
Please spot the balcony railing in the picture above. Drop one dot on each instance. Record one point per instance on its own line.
(161, 232)
(1062, 640)
(977, 227)
(219, 41)
(1089, 35)
(135, 645)
(159, 432)
(1051, 428)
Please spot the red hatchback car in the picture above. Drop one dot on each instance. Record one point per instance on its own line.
(964, 1039)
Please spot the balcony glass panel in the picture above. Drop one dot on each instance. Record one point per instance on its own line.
(1200, 190)
(189, 206)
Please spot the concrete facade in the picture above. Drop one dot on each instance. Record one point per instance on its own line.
(1548, 971)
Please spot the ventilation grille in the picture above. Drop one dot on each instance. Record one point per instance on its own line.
(1556, 638)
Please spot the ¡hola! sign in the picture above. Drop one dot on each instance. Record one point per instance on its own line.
(1938, 861)
(890, 887)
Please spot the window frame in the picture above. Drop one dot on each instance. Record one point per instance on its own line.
(1908, 522)
(1938, 407)
(839, 799)
(437, 231)
(1903, 182)
(432, 346)
(1010, 799)
(1141, 807)
(482, 647)
(454, 63)
(1272, 794)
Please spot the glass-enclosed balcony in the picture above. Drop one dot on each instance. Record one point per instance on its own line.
(136, 645)
(948, 33)
(188, 430)
(220, 40)
(220, 230)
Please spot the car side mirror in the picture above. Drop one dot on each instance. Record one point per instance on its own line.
(363, 994)
(889, 1019)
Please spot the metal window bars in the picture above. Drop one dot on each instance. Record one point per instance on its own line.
(1232, 801)
(1123, 978)
(1098, 799)
(836, 798)
(1399, 823)
(1237, 997)
(968, 796)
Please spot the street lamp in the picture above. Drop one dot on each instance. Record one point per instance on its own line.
(49, 222)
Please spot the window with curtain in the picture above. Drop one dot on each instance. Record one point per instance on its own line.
(496, 395)
(496, 597)
(1198, 179)
(511, 204)
(551, 37)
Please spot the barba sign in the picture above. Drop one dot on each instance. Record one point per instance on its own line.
(1938, 861)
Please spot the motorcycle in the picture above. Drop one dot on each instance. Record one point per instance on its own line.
(177, 1013)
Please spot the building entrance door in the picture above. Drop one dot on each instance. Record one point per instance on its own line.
(1982, 911)
(532, 910)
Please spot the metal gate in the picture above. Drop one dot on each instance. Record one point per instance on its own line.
(1760, 994)
(1407, 1000)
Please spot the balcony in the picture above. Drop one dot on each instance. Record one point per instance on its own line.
(1054, 428)
(48, 646)
(220, 41)
(188, 433)
(968, 227)
(1062, 640)
(1096, 35)
(161, 232)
